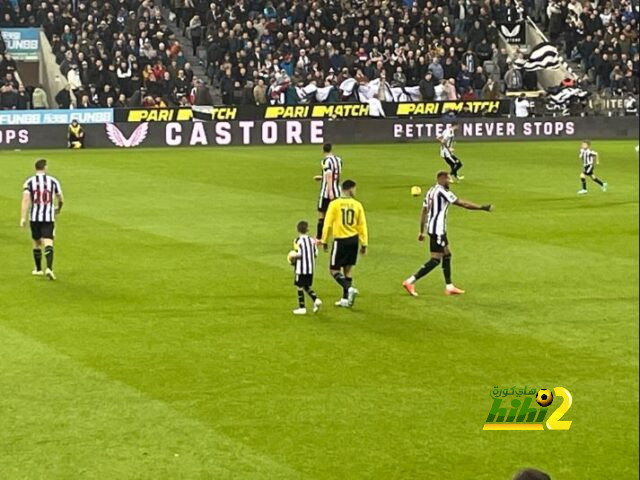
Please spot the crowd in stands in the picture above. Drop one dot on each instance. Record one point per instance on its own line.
(125, 53)
(601, 36)
(112, 53)
(448, 48)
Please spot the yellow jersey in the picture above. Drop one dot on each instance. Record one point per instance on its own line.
(76, 131)
(345, 218)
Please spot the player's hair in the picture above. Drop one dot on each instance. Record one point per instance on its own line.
(327, 147)
(348, 184)
(40, 164)
(454, 124)
(587, 141)
(531, 474)
(303, 226)
(442, 173)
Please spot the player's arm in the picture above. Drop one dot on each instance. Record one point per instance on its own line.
(328, 177)
(423, 221)
(24, 208)
(59, 196)
(325, 168)
(472, 206)
(597, 157)
(296, 248)
(363, 230)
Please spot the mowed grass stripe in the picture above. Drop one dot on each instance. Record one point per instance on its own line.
(79, 423)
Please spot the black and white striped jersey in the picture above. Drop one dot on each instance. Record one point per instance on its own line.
(306, 247)
(333, 164)
(588, 157)
(448, 137)
(42, 189)
(437, 201)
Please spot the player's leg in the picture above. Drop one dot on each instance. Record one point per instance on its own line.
(320, 225)
(447, 157)
(351, 292)
(583, 182)
(603, 184)
(316, 301)
(37, 257)
(450, 288)
(323, 204)
(457, 165)
(436, 246)
(47, 241)
(335, 267)
(301, 310)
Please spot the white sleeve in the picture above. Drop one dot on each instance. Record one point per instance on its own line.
(450, 196)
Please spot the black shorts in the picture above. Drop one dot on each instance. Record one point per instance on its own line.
(42, 230)
(438, 242)
(588, 170)
(344, 252)
(303, 280)
(323, 204)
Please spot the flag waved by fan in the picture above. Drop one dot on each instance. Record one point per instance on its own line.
(543, 56)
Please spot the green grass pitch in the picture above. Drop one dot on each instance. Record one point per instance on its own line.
(167, 348)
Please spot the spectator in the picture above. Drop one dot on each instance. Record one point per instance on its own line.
(450, 90)
(195, 33)
(469, 94)
(64, 98)
(436, 69)
(521, 106)
(8, 97)
(531, 474)
(463, 78)
(24, 102)
(399, 78)
(427, 87)
(513, 79)
(73, 77)
(201, 94)
(226, 88)
(39, 98)
(491, 90)
(260, 93)
(478, 81)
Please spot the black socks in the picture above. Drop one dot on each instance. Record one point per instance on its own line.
(311, 293)
(37, 258)
(446, 268)
(48, 253)
(320, 228)
(426, 268)
(344, 282)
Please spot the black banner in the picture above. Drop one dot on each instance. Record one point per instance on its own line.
(474, 108)
(303, 132)
(514, 33)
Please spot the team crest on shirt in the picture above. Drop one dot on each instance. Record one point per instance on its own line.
(119, 140)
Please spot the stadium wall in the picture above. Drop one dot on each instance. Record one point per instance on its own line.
(292, 132)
